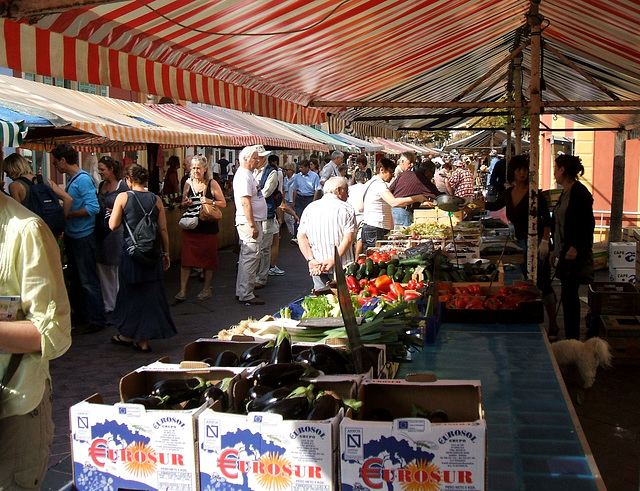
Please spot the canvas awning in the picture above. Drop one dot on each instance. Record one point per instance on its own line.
(395, 147)
(297, 60)
(321, 136)
(101, 120)
(273, 134)
(12, 134)
(352, 140)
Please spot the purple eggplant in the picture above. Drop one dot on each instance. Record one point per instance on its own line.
(179, 390)
(282, 348)
(326, 359)
(260, 351)
(324, 407)
(279, 374)
(149, 401)
(226, 358)
(260, 402)
(293, 408)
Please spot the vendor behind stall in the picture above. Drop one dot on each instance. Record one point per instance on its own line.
(419, 180)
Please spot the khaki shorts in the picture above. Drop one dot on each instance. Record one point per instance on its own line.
(25, 442)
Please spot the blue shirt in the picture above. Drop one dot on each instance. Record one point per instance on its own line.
(83, 191)
(306, 185)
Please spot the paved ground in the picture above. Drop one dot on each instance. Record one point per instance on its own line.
(608, 412)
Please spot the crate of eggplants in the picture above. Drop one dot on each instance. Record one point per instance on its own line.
(186, 393)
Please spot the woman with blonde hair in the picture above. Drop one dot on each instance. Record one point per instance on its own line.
(200, 244)
(19, 170)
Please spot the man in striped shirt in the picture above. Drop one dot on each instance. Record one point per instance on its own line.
(325, 224)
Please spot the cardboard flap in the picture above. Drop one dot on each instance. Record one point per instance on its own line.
(193, 364)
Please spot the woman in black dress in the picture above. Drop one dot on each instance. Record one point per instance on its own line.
(573, 238)
(516, 201)
(142, 311)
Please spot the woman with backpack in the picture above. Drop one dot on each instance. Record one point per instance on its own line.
(142, 311)
(19, 170)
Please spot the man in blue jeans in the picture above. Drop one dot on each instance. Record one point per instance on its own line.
(85, 294)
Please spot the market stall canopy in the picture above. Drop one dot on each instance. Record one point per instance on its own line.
(352, 140)
(101, 122)
(273, 134)
(421, 149)
(321, 136)
(483, 140)
(393, 147)
(398, 64)
(12, 134)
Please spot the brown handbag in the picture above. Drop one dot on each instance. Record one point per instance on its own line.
(210, 212)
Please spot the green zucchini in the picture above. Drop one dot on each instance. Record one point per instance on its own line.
(362, 271)
(369, 267)
(352, 269)
(411, 261)
(391, 270)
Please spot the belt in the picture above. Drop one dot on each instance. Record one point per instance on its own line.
(305, 195)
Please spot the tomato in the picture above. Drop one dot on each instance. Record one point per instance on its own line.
(383, 283)
(375, 257)
(361, 260)
(385, 257)
(493, 303)
(475, 290)
(419, 284)
(363, 282)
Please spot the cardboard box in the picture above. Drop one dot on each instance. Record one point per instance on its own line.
(613, 298)
(130, 447)
(261, 451)
(421, 215)
(622, 254)
(622, 275)
(412, 453)
(600, 259)
(622, 332)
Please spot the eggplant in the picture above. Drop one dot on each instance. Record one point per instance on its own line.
(281, 352)
(325, 406)
(255, 392)
(260, 402)
(252, 363)
(294, 408)
(439, 416)
(208, 361)
(328, 360)
(304, 356)
(179, 390)
(279, 374)
(260, 351)
(380, 414)
(226, 358)
(149, 401)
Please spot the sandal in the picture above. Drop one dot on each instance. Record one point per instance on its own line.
(121, 342)
(204, 294)
(137, 347)
(180, 297)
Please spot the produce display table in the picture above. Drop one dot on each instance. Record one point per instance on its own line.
(534, 438)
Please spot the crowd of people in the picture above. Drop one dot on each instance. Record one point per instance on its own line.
(341, 206)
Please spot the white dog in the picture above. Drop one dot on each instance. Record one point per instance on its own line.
(586, 356)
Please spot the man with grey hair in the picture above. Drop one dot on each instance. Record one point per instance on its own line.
(267, 178)
(331, 168)
(251, 213)
(327, 223)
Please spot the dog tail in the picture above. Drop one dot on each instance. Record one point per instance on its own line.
(602, 351)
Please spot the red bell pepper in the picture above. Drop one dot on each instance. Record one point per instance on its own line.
(474, 290)
(475, 304)
(411, 284)
(383, 283)
(397, 289)
(411, 296)
(493, 303)
(352, 284)
(364, 282)
(461, 290)
(366, 294)
(362, 301)
(445, 287)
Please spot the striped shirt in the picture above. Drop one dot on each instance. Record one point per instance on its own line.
(325, 222)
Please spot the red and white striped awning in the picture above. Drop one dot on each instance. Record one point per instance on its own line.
(108, 119)
(274, 57)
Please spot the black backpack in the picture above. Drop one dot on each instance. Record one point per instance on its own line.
(146, 242)
(44, 203)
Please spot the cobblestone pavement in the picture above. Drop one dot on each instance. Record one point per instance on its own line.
(607, 412)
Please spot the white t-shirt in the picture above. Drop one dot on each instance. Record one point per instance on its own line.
(244, 184)
(377, 211)
(355, 197)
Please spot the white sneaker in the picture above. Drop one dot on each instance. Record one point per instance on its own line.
(275, 271)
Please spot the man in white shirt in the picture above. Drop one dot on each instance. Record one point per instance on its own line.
(356, 193)
(331, 168)
(251, 213)
(327, 223)
(267, 179)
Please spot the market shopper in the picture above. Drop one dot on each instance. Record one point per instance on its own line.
(356, 192)
(142, 311)
(266, 176)
(306, 188)
(377, 203)
(200, 244)
(109, 245)
(331, 169)
(460, 183)
(85, 293)
(327, 223)
(516, 201)
(362, 170)
(30, 270)
(251, 212)
(409, 183)
(442, 174)
(573, 238)
(171, 186)
(405, 163)
(19, 170)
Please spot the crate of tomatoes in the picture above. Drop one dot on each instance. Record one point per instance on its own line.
(508, 304)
